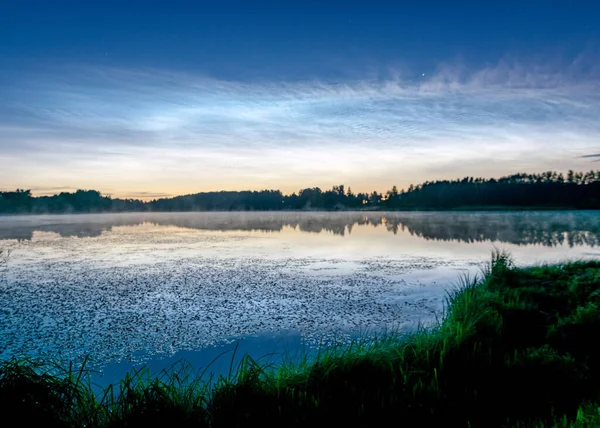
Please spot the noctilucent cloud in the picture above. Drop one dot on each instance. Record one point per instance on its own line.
(164, 98)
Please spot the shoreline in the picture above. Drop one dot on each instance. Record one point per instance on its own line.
(515, 348)
(374, 210)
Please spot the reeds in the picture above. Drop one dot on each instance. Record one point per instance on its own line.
(514, 347)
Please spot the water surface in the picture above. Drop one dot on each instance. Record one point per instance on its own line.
(154, 287)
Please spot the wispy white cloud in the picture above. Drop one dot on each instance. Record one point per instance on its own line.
(168, 133)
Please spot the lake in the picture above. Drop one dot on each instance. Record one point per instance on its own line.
(153, 288)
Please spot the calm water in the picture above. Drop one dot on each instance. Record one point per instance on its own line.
(154, 288)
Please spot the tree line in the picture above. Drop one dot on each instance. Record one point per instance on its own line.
(547, 190)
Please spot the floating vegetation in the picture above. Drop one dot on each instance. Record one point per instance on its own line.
(515, 348)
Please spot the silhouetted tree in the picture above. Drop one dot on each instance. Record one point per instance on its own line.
(545, 190)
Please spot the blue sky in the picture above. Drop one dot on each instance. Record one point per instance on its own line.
(178, 97)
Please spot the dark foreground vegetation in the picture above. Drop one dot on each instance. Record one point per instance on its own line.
(517, 348)
(548, 190)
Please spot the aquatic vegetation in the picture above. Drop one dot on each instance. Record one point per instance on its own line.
(141, 293)
(4, 256)
(515, 347)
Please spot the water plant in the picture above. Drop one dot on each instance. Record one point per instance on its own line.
(514, 347)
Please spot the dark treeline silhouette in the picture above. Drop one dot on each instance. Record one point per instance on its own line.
(81, 201)
(545, 190)
(548, 228)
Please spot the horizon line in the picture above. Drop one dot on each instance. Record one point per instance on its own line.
(150, 195)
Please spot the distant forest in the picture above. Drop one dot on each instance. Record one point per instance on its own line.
(549, 190)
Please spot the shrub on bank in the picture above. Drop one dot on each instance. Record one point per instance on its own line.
(516, 347)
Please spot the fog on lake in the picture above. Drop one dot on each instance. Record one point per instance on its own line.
(130, 287)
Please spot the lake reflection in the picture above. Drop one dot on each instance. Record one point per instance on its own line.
(128, 288)
(521, 228)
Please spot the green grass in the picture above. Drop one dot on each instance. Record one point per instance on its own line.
(515, 348)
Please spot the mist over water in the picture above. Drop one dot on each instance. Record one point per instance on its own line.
(132, 288)
(545, 228)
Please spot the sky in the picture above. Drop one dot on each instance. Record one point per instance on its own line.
(178, 97)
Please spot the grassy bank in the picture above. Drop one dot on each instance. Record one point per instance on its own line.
(516, 348)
